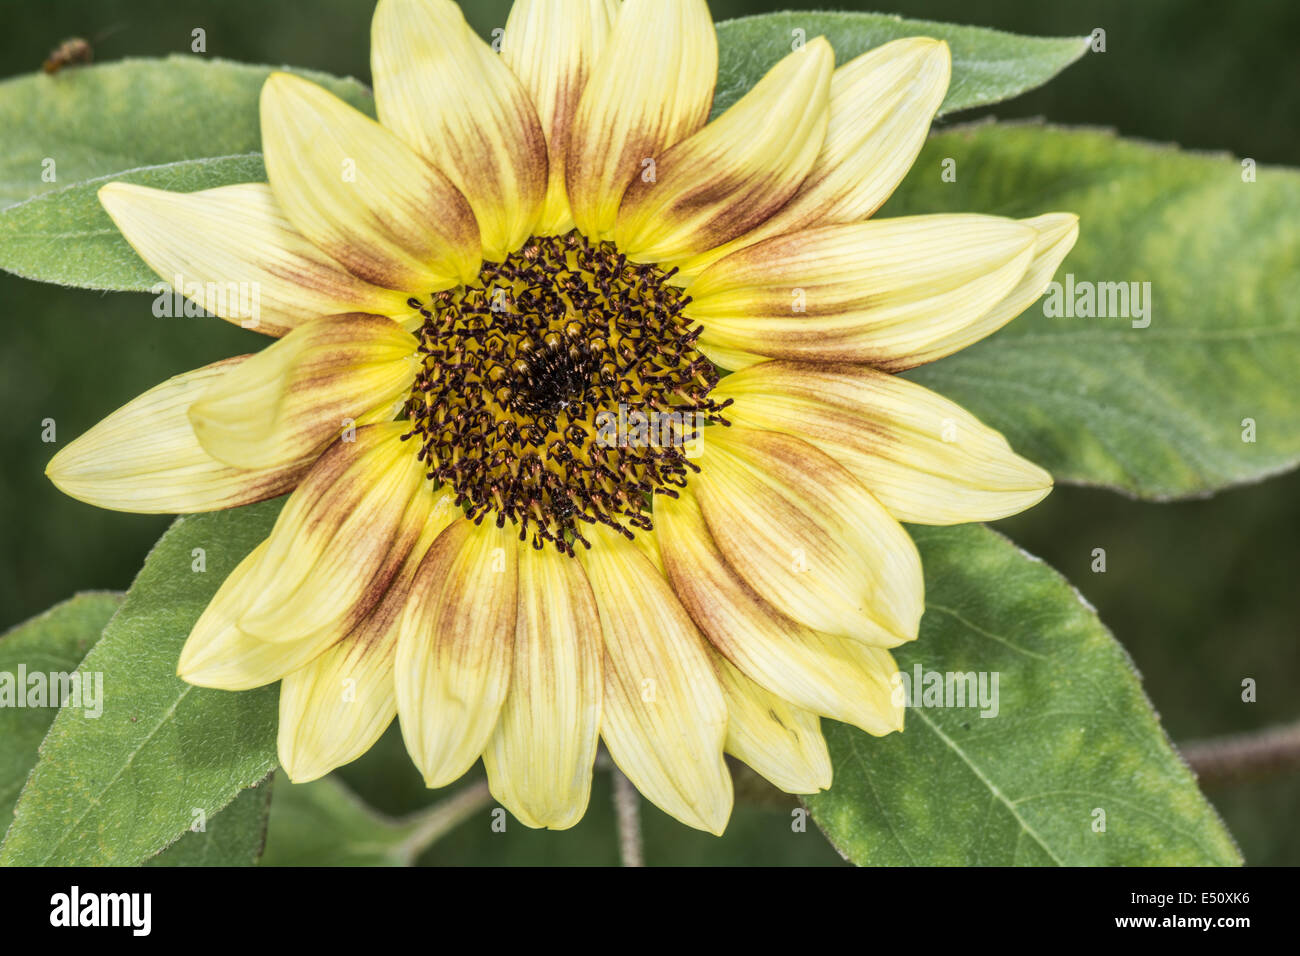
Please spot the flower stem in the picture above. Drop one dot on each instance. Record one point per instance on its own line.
(431, 825)
(1237, 757)
(627, 811)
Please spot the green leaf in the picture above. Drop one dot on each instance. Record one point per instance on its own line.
(101, 120)
(323, 823)
(1157, 412)
(1073, 734)
(55, 642)
(234, 837)
(988, 66)
(116, 790)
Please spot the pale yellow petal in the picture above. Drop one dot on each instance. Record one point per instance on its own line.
(881, 106)
(877, 292)
(651, 88)
(1057, 233)
(728, 358)
(218, 654)
(341, 536)
(804, 534)
(540, 757)
(226, 658)
(552, 46)
(293, 398)
(233, 251)
(361, 194)
(665, 719)
(145, 458)
(837, 677)
(455, 648)
(781, 742)
(737, 171)
(442, 90)
(926, 459)
(334, 709)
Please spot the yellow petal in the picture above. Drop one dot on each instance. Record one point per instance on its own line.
(1057, 233)
(442, 90)
(145, 458)
(804, 534)
(729, 358)
(877, 292)
(341, 536)
(781, 742)
(334, 709)
(540, 757)
(454, 648)
(881, 106)
(737, 171)
(361, 194)
(233, 251)
(833, 676)
(552, 46)
(651, 88)
(665, 720)
(926, 459)
(292, 399)
(218, 654)
(226, 658)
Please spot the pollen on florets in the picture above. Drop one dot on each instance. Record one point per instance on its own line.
(519, 370)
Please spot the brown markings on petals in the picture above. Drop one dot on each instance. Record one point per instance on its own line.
(831, 417)
(465, 611)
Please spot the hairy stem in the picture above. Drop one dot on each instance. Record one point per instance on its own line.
(429, 826)
(627, 811)
(1244, 756)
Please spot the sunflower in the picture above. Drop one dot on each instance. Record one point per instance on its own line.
(527, 509)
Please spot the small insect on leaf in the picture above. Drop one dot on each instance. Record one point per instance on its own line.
(75, 50)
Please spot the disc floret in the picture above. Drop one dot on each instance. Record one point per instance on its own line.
(519, 370)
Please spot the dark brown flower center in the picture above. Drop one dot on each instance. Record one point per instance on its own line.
(563, 388)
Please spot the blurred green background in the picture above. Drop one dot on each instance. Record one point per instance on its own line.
(1202, 593)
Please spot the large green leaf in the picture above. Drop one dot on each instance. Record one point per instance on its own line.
(234, 837)
(1073, 737)
(54, 642)
(116, 790)
(1158, 411)
(100, 120)
(988, 66)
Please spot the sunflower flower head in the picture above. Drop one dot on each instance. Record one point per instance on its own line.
(525, 513)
